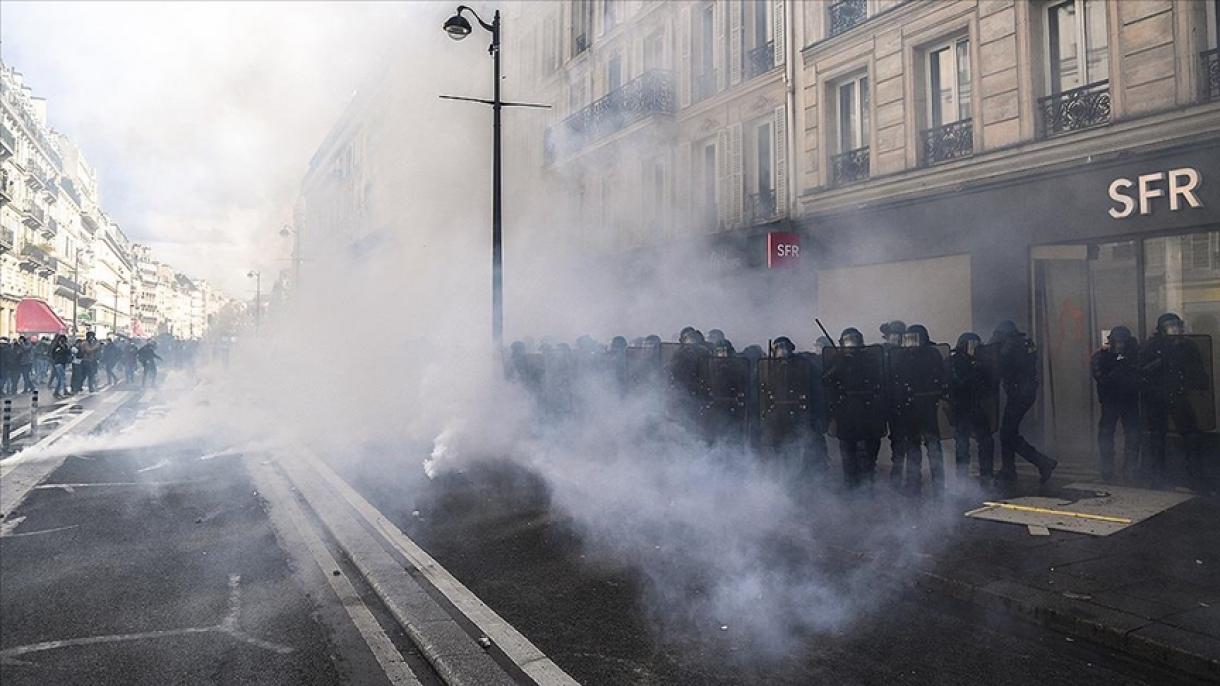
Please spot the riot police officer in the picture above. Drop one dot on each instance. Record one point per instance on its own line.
(687, 388)
(1019, 379)
(919, 375)
(970, 386)
(856, 400)
(1171, 367)
(1116, 372)
(891, 339)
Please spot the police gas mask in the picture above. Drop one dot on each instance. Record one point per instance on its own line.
(972, 347)
(894, 339)
(782, 352)
(722, 349)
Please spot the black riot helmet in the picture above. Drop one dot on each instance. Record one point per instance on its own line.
(968, 343)
(715, 336)
(586, 344)
(915, 336)
(822, 343)
(892, 332)
(782, 347)
(618, 344)
(752, 352)
(851, 338)
(517, 349)
(691, 337)
(653, 341)
(1120, 340)
(1170, 324)
(722, 348)
(1003, 330)
(686, 330)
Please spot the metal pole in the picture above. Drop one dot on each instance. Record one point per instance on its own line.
(75, 289)
(497, 282)
(34, 416)
(6, 431)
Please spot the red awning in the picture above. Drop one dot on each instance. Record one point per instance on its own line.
(35, 316)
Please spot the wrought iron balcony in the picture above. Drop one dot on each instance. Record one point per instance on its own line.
(580, 43)
(703, 86)
(7, 240)
(50, 229)
(1076, 109)
(36, 174)
(845, 14)
(37, 258)
(35, 216)
(8, 142)
(88, 221)
(70, 189)
(948, 142)
(66, 286)
(760, 60)
(761, 206)
(52, 190)
(6, 188)
(850, 167)
(1210, 76)
(650, 93)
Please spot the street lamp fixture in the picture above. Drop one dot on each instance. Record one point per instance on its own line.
(456, 26)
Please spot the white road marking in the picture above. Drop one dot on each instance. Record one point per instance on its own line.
(10, 524)
(70, 487)
(6, 534)
(383, 649)
(228, 625)
(162, 463)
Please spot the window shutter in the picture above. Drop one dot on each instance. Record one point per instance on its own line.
(683, 188)
(684, 76)
(735, 44)
(780, 155)
(780, 40)
(736, 175)
(718, 44)
(637, 58)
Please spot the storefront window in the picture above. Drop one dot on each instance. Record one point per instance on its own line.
(1182, 275)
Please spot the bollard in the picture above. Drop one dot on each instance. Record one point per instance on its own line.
(34, 417)
(6, 429)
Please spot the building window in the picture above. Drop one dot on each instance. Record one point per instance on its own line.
(654, 50)
(582, 25)
(844, 14)
(704, 178)
(550, 46)
(614, 73)
(1078, 67)
(760, 57)
(703, 69)
(609, 14)
(951, 131)
(851, 162)
(1210, 59)
(760, 178)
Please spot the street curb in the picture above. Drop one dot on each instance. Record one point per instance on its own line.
(1105, 628)
(454, 655)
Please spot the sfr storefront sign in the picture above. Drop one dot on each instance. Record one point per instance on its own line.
(1177, 187)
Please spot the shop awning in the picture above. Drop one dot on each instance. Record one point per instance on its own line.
(35, 316)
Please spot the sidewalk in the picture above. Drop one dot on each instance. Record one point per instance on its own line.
(1151, 590)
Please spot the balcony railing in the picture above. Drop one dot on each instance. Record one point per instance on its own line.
(37, 175)
(761, 206)
(66, 286)
(35, 216)
(948, 142)
(1210, 77)
(7, 239)
(760, 60)
(50, 229)
(6, 188)
(850, 167)
(703, 86)
(36, 258)
(52, 190)
(650, 93)
(70, 189)
(88, 221)
(580, 43)
(845, 14)
(8, 142)
(1076, 109)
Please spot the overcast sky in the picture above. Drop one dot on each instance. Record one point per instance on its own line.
(200, 118)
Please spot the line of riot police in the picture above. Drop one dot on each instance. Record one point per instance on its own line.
(782, 405)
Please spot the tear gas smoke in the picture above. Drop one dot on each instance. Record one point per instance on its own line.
(382, 356)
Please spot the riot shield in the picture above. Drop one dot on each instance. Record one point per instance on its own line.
(919, 376)
(854, 380)
(724, 415)
(988, 357)
(531, 372)
(611, 369)
(643, 368)
(785, 403)
(1201, 396)
(558, 382)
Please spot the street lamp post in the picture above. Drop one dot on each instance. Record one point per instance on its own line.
(458, 28)
(285, 232)
(258, 297)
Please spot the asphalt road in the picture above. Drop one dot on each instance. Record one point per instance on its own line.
(494, 528)
(157, 568)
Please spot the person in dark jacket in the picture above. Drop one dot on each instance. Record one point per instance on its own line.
(1171, 367)
(90, 350)
(61, 357)
(130, 353)
(1115, 370)
(110, 358)
(148, 359)
(1019, 379)
(970, 385)
(919, 386)
(25, 364)
(8, 367)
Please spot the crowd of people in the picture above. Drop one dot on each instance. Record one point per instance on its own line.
(907, 390)
(69, 366)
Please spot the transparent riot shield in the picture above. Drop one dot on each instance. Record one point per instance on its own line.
(1197, 373)
(854, 380)
(643, 368)
(724, 413)
(785, 402)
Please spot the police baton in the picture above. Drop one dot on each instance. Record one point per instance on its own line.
(825, 332)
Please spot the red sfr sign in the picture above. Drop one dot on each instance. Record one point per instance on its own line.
(783, 249)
